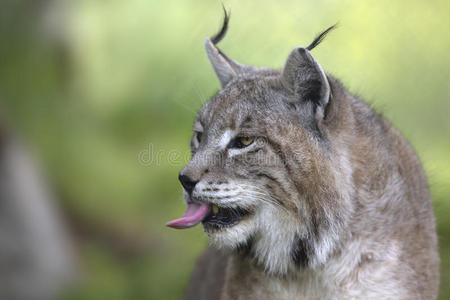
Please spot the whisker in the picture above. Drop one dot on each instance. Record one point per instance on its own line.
(257, 193)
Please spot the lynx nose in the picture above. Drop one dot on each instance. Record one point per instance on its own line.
(187, 183)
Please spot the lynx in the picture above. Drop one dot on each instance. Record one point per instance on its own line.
(303, 190)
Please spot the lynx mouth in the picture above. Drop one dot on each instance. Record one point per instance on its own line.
(211, 216)
(222, 217)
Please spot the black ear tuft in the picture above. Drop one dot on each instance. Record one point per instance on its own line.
(320, 37)
(226, 68)
(223, 31)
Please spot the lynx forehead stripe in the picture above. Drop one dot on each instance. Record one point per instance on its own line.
(225, 139)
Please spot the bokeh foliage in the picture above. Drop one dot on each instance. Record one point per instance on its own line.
(105, 93)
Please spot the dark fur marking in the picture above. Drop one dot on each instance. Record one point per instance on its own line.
(318, 38)
(223, 31)
(270, 188)
(273, 179)
(233, 123)
(277, 149)
(300, 252)
(315, 223)
(254, 151)
(245, 249)
(259, 174)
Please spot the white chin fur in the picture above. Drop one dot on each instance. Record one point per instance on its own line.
(232, 237)
(273, 235)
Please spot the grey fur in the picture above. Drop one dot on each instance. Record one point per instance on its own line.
(340, 204)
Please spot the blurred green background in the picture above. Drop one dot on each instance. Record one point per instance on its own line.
(105, 92)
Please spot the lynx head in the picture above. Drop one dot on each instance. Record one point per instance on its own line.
(269, 171)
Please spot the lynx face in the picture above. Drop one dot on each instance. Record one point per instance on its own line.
(243, 172)
(269, 172)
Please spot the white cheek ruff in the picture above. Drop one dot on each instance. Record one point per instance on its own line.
(275, 228)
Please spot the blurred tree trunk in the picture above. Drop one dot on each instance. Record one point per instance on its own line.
(35, 254)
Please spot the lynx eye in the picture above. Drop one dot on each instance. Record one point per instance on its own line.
(242, 142)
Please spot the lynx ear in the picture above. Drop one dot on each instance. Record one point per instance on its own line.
(305, 78)
(225, 67)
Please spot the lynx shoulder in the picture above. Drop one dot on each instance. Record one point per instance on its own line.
(304, 191)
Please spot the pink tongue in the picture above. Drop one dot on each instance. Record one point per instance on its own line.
(194, 214)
